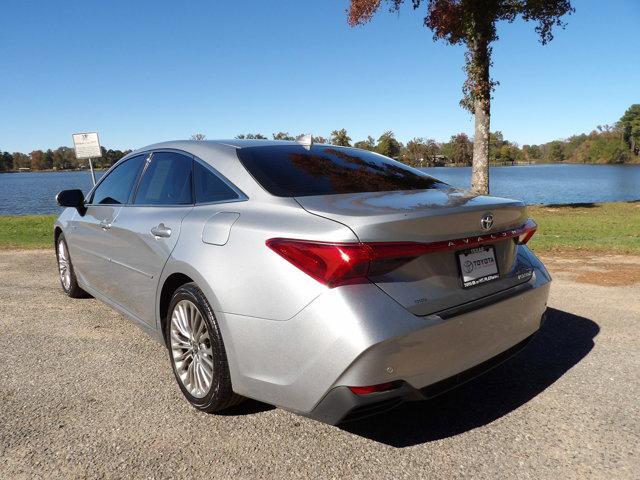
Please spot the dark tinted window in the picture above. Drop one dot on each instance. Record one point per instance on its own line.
(116, 187)
(209, 187)
(294, 171)
(166, 181)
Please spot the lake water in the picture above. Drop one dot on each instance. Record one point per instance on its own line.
(34, 193)
(547, 184)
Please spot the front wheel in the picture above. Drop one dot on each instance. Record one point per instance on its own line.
(197, 353)
(68, 279)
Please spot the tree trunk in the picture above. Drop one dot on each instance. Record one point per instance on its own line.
(480, 168)
(482, 111)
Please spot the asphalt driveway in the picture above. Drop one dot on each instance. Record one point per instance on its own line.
(84, 393)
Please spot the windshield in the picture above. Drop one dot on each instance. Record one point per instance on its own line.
(294, 171)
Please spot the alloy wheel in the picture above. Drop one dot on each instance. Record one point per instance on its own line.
(191, 348)
(64, 265)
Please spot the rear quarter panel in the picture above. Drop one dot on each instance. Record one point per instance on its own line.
(245, 277)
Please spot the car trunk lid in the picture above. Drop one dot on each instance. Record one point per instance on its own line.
(432, 282)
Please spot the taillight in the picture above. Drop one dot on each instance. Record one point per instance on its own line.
(526, 232)
(332, 264)
(335, 264)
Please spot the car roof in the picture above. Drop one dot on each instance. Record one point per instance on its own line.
(221, 155)
(215, 144)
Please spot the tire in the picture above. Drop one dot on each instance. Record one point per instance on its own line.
(66, 274)
(198, 357)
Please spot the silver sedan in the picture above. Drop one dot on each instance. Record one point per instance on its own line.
(330, 281)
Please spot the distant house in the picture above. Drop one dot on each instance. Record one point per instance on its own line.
(24, 169)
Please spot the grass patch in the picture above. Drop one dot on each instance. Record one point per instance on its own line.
(33, 231)
(592, 227)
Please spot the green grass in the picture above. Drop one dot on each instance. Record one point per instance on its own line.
(34, 231)
(592, 227)
(606, 227)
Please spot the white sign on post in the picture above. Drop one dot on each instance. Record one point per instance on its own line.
(87, 145)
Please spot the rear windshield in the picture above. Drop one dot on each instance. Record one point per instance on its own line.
(294, 171)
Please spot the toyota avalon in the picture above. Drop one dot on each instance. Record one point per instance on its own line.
(330, 281)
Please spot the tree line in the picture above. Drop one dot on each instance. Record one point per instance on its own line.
(618, 143)
(62, 158)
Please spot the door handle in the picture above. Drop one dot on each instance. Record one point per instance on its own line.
(105, 224)
(161, 231)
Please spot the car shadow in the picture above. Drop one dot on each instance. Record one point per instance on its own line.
(561, 343)
(248, 407)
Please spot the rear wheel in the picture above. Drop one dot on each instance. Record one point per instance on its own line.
(197, 353)
(67, 275)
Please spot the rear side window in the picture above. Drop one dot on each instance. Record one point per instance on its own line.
(166, 181)
(294, 171)
(115, 189)
(209, 187)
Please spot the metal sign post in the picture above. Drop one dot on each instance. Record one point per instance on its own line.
(87, 146)
(93, 174)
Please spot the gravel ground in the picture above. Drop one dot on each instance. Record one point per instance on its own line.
(84, 393)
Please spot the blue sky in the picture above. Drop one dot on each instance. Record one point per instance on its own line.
(144, 71)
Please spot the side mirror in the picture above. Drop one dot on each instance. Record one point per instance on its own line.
(73, 199)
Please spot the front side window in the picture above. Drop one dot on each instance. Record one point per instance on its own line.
(294, 171)
(115, 189)
(209, 187)
(166, 181)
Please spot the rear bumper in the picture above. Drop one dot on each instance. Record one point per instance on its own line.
(340, 405)
(357, 336)
(435, 359)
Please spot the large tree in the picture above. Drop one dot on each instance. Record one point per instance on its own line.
(472, 23)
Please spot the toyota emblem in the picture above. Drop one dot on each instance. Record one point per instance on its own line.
(486, 222)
